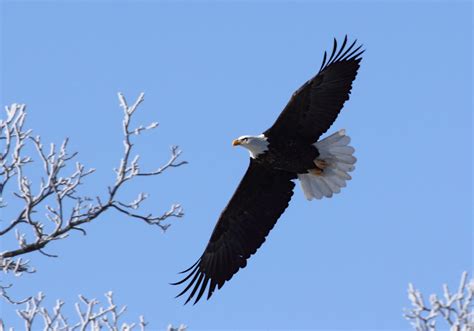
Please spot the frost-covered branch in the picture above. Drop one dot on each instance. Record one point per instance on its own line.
(456, 309)
(64, 209)
(90, 315)
(4, 295)
(182, 327)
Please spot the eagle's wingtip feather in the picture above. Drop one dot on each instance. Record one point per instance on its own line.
(344, 53)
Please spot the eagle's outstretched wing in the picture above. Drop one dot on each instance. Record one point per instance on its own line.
(261, 197)
(314, 106)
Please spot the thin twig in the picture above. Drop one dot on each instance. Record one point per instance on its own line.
(456, 309)
(56, 190)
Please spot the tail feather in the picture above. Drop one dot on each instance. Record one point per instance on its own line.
(332, 185)
(344, 158)
(345, 167)
(336, 139)
(318, 183)
(338, 180)
(341, 150)
(308, 191)
(315, 189)
(337, 153)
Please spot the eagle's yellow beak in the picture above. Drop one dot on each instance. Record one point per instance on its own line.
(236, 142)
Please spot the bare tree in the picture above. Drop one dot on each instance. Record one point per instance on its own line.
(52, 208)
(456, 309)
(57, 190)
(90, 315)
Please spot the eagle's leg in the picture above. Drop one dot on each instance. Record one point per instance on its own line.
(320, 166)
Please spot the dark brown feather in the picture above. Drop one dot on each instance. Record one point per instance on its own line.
(314, 107)
(262, 196)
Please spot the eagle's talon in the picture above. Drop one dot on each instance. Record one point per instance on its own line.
(316, 171)
(321, 164)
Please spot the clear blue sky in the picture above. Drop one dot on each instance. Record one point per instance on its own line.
(213, 71)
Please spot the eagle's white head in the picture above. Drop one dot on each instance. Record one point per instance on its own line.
(255, 144)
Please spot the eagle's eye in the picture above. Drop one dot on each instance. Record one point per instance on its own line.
(245, 139)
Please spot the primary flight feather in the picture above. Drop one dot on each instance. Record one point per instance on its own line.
(288, 150)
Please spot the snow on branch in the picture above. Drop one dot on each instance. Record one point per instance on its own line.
(90, 315)
(65, 209)
(456, 309)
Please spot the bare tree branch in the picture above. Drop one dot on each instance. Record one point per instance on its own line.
(57, 192)
(4, 294)
(90, 315)
(456, 309)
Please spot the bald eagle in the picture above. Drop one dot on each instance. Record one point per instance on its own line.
(287, 151)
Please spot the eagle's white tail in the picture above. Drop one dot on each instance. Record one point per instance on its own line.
(337, 159)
